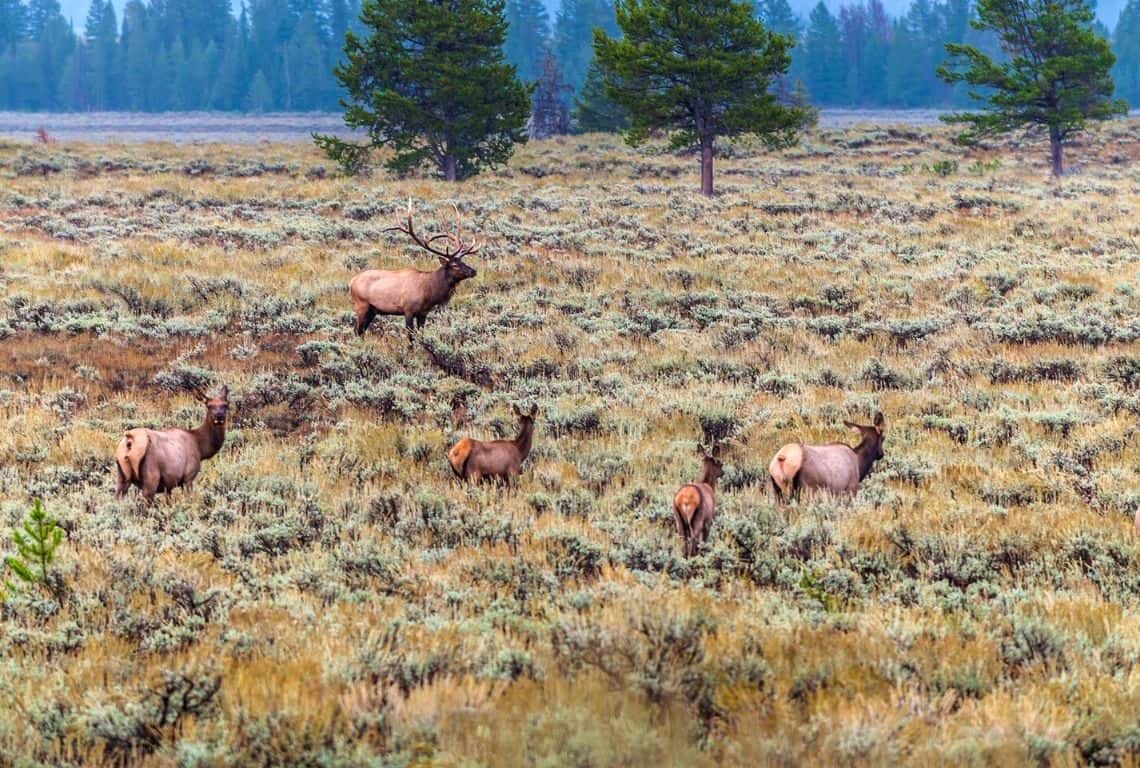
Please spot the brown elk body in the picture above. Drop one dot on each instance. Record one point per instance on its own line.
(409, 292)
(163, 459)
(835, 467)
(500, 460)
(694, 506)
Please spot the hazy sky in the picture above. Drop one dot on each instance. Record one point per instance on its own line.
(1107, 10)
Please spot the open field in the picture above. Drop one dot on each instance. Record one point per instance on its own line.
(328, 595)
(190, 127)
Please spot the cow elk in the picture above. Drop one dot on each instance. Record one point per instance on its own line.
(836, 467)
(498, 460)
(412, 292)
(162, 460)
(694, 506)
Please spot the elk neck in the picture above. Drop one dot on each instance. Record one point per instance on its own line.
(865, 453)
(522, 442)
(442, 285)
(209, 437)
(708, 478)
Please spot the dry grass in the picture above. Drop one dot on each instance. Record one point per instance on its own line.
(329, 596)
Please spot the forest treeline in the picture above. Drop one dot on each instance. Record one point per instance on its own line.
(276, 55)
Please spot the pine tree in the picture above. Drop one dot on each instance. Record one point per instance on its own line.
(260, 97)
(550, 116)
(430, 82)
(1126, 46)
(700, 69)
(101, 42)
(1056, 77)
(823, 57)
(13, 23)
(574, 36)
(528, 33)
(594, 110)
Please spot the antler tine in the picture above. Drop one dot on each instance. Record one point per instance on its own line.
(409, 229)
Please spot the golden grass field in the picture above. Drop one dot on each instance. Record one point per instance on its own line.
(328, 595)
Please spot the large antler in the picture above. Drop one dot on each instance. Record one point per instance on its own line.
(461, 249)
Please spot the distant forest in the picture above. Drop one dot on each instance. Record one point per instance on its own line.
(276, 55)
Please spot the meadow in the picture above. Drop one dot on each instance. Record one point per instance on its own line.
(328, 595)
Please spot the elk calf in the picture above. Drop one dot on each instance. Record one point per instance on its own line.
(694, 506)
(475, 460)
(835, 467)
(162, 460)
(412, 292)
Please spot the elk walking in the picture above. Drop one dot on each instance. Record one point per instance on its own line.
(475, 460)
(161, 460)
(835, 467)
(412, 292)
(694, 505)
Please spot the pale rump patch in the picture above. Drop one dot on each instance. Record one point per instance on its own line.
(458, 454)
(130, 453)
(785, 465)
(686, 503)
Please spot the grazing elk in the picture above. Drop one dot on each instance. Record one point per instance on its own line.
(162, 460)
(694, 506)
(412, 292)
(835, 467)
(475, 460)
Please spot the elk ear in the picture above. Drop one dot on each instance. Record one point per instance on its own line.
(444, 261)
(225, 393)
(534, 410)
(850, 425)
(517, 410)
(880, 422)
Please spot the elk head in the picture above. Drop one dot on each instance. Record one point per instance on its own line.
(871, 438)
(216, 407)
(526, 418)
(450, 256)
(713, 466)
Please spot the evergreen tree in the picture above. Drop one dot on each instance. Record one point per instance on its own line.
(13, 23)
(777, 15)
(1126, 46)
(260, 98)
(550, 116)
(430, 82)
(701, 69)
(528, 32)
(824, 71)
(594, 110)
(40, 14)
(101, 43)
(1056, 76)
(574, 36)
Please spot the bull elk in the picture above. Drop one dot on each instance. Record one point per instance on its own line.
(412, 292)
(162, 460)
(835, 467)
(475, 460)
(694, 506)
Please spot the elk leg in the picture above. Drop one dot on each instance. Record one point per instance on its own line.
(420, 320)
(121, 483)
(364, 317)
(409, 321)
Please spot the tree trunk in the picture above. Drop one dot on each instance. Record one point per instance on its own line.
(449, 168)
(1056, 152)
(707, 166)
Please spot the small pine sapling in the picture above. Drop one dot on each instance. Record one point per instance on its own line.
(35, 548)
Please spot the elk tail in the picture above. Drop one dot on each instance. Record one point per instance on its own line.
(785, 466)
(129, 455)
(687, 502)
(459, 454)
